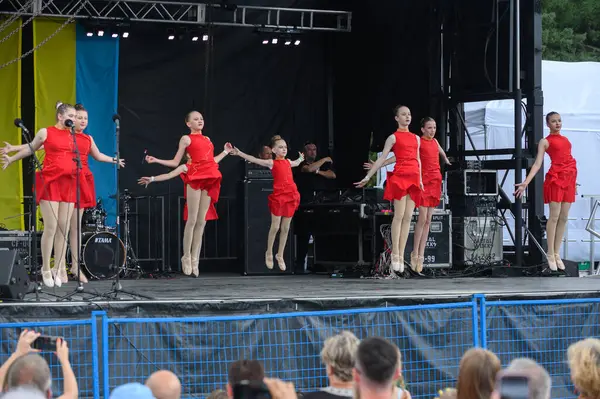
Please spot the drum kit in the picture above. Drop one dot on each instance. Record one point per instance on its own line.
(100, 244)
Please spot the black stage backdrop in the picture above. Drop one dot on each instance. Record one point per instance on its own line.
(249, 92)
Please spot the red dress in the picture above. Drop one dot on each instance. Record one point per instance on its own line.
(406, 177)
(56, 181)
(285, 198)
(432, 176)
(561, 179)
(203, 173)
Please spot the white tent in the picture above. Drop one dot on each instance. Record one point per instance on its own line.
(573, 90)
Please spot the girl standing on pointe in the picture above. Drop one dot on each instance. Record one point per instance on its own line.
(56, 189)
(202, 186)
(404, 185)
(284, 200)
(559, 185)
(430, 152)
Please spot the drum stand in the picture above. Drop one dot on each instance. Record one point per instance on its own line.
(131, 260)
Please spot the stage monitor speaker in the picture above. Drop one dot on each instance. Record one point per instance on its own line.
(14, 281)
(257, 222)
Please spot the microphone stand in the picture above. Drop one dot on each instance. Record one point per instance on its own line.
(116, 288)
(33, 258)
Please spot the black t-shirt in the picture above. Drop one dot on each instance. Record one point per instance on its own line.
(308, 183)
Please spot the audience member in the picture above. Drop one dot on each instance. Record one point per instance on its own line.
(218, 394)
(338, 355)
(24, 393)
(132, 390)
(540, 384)
(244, 370)
(584, 362)
(164, 385)
(477, 374)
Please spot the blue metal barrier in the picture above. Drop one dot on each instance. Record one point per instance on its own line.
(82, 339)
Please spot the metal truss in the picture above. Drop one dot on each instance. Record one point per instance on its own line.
(185, 13)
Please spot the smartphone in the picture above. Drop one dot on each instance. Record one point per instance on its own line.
(45, 343)
(251, 390)
(513, 386)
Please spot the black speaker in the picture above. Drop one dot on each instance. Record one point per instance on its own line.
(257, 222)
(14, 281)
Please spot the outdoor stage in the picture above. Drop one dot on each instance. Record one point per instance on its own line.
(234, 294)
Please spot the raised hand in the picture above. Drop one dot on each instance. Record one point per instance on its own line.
(62, 350)
(234, 151)
(362, 183)
(8, 148)
(520, 189)
(150, 159)
(26, 338)
(144, 181)
(300, 157)
(228, 148)
(368, 165)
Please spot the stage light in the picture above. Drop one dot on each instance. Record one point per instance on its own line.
(114, 35)
(297, 42)
(100, 32)
(195, 38)
(125, 35)
(288, 42)
(274, 40)
(204, 38)
(171, 37)
(265, 41)
(89, 34)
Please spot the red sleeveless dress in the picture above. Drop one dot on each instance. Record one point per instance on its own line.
(406, 177)
(561, 180)
(285, 199)
(432, 176)
(203, 172)
(56, 181)
(87, 196)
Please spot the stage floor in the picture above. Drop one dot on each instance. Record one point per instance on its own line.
(210, 294)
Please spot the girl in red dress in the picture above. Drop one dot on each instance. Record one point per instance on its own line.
(284, 200)
(430, 152)
(203, 185)
(56, 190)
(559, 185)
(404, 185)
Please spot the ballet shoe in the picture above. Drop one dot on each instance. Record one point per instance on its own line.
(62, 275)
(82, 277)
(420, 260)
(280, 262)
(269, 260)
(47, 278)
(57, 280)
(414, 261)
(397, 263)
(195, 271)
(186, 265)
(551, 262)
(559, 263)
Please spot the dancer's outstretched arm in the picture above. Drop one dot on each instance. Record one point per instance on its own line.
(389, 143)
(443, 153)
(389, 161)
(267, 163)
(227, 148)
(100, 157)
(25, 151)
(172, 163)
(144, 181)
(539, 159)
(298, 161)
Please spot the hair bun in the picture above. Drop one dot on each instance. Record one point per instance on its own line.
(276, 137)
(58, 104)
(79, 107)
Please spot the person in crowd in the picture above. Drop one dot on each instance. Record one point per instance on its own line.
(218, 394)
(244, 370)
(312, 175)
(284, 200)
(202, 186)
(540, 384)
(584, 362)
(560, 185)
(132, 390)
(339, 356)
(265, 152)
(377, 369)
(430, 152)
(164, 384)
(27, 368)
(404, 185)
(25, 392)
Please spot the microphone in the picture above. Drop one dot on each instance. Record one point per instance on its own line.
(116, 119)
(69, 123)
(19, 123)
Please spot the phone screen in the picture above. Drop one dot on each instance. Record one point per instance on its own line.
(514, 387)
(45, 343)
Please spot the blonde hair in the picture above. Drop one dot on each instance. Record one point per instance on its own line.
(339, 352)
(218, 394)
(275, 139)
(584, 362)
(477, 374)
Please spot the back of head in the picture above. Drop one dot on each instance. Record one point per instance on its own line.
(164, 385)
(133, 390)
(477, 374)
(541, 383)
(250, 370)
(29, 370)
(584, 362)
(25, 392)
(339, 352)
(377, 360)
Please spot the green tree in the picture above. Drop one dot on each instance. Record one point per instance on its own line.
(571, 30)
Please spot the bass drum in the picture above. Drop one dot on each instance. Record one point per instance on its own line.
(100, 254)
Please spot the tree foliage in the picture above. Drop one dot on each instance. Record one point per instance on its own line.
(571, 30)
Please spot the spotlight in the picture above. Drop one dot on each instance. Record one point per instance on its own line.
(100, 32)
(125, 35)
(265, 41)
(297, 42)
(274, 40)
(114, 35)
(194, 38)
(171, 37)
(288, 42)
(204, 38)
(89, 34)
(171, 34)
